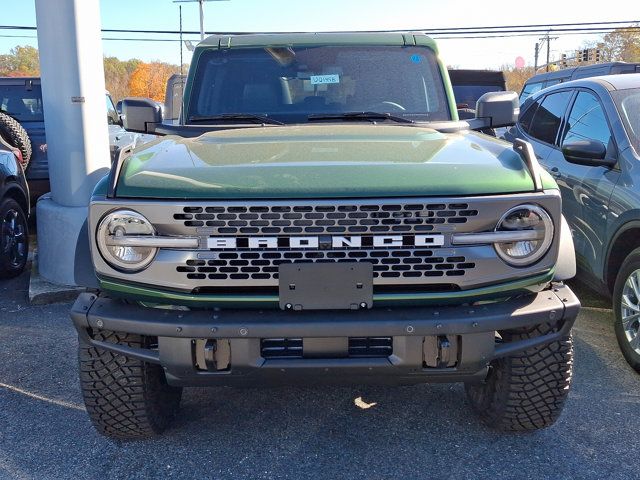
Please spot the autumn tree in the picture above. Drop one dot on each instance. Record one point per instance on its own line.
(622, 45)
(21, 61)
(516, 77)
(150, 80)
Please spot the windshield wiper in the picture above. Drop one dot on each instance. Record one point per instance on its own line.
(235, 116)
(359, 116)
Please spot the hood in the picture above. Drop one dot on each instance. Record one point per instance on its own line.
(323, 161)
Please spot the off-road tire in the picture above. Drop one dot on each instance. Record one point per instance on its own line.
(629, 265)
(12, 263)
(125, 398)
(15, 135)
(525, 391)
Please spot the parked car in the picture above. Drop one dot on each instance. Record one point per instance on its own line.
(21, 100)
(317, 216)
(548, 79)
(14, 212)
(470, 85)
(586, 133)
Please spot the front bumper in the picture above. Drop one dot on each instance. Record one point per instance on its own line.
(410, 329)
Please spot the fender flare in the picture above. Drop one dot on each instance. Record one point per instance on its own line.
(566, 264)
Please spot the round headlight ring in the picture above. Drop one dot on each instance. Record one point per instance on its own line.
(125, 222)
(536, 249)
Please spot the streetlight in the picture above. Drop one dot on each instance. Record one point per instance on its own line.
(201, 3)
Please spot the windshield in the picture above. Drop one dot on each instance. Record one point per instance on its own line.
(22, 102)
(469, 94)
(628, 103)
(290, 84)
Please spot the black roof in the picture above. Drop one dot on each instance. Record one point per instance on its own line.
(476, 77)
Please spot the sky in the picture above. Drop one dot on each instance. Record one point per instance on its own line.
(327, 15)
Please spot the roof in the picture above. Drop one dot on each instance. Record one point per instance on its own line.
(581, 71)
(620, 81)
(321, 38)
(19, 80)
(476, 77)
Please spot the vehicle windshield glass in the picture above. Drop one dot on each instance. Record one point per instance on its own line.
(469, 94)
(291, 83)
(628, 103)
(528, 90)
(22, 102)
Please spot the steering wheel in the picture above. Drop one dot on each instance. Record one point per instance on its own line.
(384, 106)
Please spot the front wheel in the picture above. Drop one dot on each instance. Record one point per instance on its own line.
(525, 391)
(125, 398)
(14, 238)
(626, 308)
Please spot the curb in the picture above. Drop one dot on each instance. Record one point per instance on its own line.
(42, 292)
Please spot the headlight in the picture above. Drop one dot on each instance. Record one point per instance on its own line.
(525, 218)
(118, 224)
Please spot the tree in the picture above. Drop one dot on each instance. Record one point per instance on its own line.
(622, 45)
(21, 61)
(116, 78)
(516, 77)
(150, 79)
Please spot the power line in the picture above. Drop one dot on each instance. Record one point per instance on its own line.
(538, 28)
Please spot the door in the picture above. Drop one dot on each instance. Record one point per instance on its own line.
(586, 190)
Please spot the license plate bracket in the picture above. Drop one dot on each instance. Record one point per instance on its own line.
(326, 286)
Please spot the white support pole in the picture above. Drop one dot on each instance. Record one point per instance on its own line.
(201, 2)
(73, 91)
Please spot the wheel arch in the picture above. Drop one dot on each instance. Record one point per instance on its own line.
(624, 241)
(14, 191)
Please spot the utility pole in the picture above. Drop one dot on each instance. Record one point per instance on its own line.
(535, 65)
(546, 39)
(181, 62)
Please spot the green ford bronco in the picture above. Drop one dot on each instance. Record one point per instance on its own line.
(320, 215)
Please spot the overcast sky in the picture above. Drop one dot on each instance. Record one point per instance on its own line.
(326, 15)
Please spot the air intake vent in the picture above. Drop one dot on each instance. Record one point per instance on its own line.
(281, 347)
(359, 347)
(370, 346)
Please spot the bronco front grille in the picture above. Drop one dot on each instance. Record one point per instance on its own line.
(406, 264)
(360, 219)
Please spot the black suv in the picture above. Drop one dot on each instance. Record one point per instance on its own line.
(586, 133)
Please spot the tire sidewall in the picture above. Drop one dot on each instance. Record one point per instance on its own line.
(630, 264)
(6, 269)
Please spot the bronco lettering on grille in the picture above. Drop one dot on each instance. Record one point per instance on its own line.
(325, 242)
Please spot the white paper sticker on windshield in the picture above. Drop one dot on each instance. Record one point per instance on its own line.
(324, 79)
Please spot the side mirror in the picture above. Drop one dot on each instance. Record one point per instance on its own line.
(591, 153)
(140, 114)
(498, 109)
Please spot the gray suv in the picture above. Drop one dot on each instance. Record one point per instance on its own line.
(586, 133)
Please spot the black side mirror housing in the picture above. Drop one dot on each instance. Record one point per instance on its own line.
(591, 153)
(498, 109)
(140, 115)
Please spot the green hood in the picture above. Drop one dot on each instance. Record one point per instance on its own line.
(327, 161)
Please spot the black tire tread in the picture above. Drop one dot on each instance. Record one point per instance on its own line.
(6, 270)
(630, 264)
(124, 397)
(17, 136)
(526, 391)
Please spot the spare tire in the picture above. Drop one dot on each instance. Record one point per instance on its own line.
(15, 135)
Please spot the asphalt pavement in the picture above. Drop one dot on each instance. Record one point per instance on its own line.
(418, 432)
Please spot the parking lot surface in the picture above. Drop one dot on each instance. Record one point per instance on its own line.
(425, 431)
